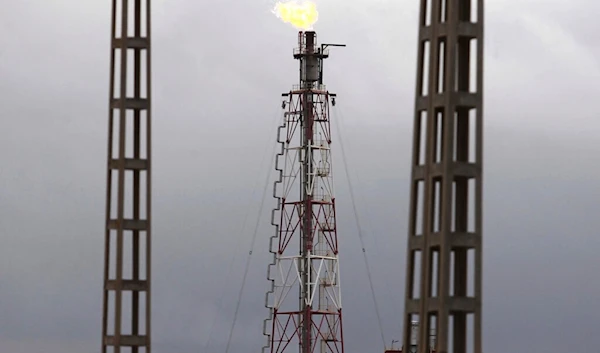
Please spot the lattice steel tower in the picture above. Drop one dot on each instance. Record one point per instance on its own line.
(305, 245)
(126, 300)
(443, 288)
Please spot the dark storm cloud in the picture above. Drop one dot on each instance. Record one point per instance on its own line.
(218, 71)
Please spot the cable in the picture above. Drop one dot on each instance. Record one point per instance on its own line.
(256, 225)
(360, 235)
(367, 209)
(243, 229)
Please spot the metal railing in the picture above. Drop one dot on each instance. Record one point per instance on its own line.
(313, 86)
(316, 50)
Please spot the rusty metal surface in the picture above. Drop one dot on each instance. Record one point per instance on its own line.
(127, 257)
(443, 272)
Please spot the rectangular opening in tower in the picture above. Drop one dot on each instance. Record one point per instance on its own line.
(439, 135)
(131, 65)
(116, 88)
(127, 255)
(128, 195)
(451, 333)
(467, 11)
(473, 65)
(114, 188)
(421, 136)
(470, 273)
(471, 205)
(473, 141)
(451, 289)
(130, 71)
(130, 198)
(143, 197)
(143, 265)
(143, 125)
(413, 331)
(143, 74)
(143, 297)
(137, 11)
(470, 339)
(462, 272)
(128, 210)
(110, 314)
(131, 20)
(466, 65)
(137, 61)
(425, 58)
(460, 332)
(114, 143)
(416, 274)
(453, 208)
(441, 61)
(126, 312)
(144, 20)
(465, 135)
(436, 212)
(432, 329)
(459, 205)
(474, 11)
(426, 13)
(112, 255)
(134, 241)
(134, 318)
(443, 17)
(418, 208)
(129, 134)
(460, 149)
(118, 15)
(434, 259)
(458, 272)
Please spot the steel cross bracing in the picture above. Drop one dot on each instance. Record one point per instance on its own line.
(126, 299)
(319, 278)
(443, 288)
(305, 301)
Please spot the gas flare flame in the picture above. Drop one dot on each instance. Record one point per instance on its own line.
(302, 15)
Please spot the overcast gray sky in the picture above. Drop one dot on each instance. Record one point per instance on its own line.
(219, 68)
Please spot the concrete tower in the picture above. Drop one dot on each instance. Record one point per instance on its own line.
(126, 300)
(443, 277)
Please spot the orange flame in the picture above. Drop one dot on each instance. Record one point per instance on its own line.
(301, 15)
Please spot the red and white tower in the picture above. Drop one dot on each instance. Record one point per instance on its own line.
(305, 245)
